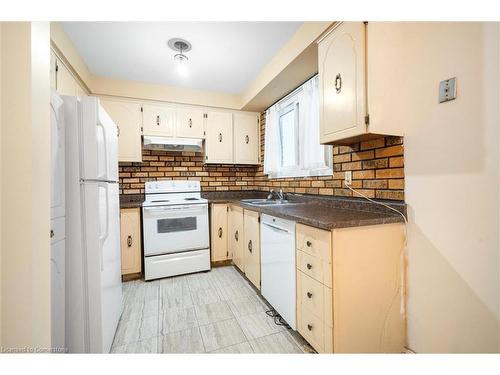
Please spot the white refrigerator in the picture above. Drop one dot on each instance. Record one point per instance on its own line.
(93, 269)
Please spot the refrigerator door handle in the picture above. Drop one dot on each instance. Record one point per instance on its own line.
(105, 139)
(103, 237)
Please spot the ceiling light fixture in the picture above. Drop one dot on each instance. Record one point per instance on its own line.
(180, 46)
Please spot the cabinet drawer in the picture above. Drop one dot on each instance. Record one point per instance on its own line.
(314, 241)
(312, 329)
(315, 297)
(314, 267)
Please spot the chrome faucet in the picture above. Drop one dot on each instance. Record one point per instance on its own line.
(280, 195)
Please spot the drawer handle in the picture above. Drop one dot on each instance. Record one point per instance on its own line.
(52, 234)
(247, 139)
(220, 137)
(190, 123)
(129, 241)
(309, 295)
(158, 120)
(308, 243)
(310, 327)
(250, 245)
(309, 266)
(236, 235)
(220, 232)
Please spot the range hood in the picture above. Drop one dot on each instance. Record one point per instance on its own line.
(173, 144)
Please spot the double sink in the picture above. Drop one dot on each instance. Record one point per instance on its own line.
(266, 202)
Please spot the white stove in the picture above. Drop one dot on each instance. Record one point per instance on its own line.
(175, 229)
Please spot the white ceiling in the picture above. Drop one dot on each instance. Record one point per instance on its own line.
(226, 56)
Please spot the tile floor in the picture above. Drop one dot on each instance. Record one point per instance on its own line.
(211, 312)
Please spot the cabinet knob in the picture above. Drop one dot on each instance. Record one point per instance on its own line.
(247, 139)
(220, 232)
(309, 295)
(117, 131)
(250, 245)
(338, 83)
(158, 120)
(308, 243)
(310, 327)
(309, 266)
(190, 123)
(52, 233)
(129, 241)
(236, 235)
(220, 137)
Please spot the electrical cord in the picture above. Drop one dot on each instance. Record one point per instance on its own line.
(405, 243)
(278, 320)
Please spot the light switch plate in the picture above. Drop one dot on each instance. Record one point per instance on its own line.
(448, 90)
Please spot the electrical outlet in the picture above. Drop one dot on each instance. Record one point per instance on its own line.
(348, 178)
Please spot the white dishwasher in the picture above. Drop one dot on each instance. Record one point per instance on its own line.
(278, 285)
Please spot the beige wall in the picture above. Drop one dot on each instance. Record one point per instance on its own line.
(452, 175)
(1, 181)
(25, 200)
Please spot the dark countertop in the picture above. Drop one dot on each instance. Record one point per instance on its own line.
(317, 211)
(320, 212)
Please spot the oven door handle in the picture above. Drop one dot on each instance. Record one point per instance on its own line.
(174, 208)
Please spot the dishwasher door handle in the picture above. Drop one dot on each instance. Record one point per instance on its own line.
(276, 228)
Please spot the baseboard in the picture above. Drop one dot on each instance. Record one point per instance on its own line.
(222, 263)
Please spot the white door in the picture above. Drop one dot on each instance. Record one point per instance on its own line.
(246, 138)
(102, 240)
(57, 290)
(342, 87)
(57, 157)
(219, 137)
(100, 142)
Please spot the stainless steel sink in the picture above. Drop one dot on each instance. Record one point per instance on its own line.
(265, 202)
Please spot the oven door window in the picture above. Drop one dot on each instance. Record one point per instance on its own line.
(182, 224)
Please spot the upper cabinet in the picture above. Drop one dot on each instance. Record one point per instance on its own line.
(158, 120)
(62, 80)
(219, 137)
(127, 116)
(246, 138)
(190, 123)
(342, 59)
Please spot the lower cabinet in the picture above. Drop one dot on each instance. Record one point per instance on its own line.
(218, 242)
(130, 240)
(251, 258)
(235, 233)
(349, 289)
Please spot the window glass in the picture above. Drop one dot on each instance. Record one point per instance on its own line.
(288, 136)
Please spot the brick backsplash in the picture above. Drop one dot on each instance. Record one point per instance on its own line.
(377, 169)
(168, 165)
(377, 166)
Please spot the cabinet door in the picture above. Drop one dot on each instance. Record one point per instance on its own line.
(219, 233)
(342, 82)
(219, 137)
(235, 235)
(65, 82)
(252, 246)
(53, 73)
(130, 233)
(189, 123)
(246, 138)
(127, 116)
(158, 120)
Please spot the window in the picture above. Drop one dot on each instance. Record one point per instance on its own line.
(289, 137)
(292, 147)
